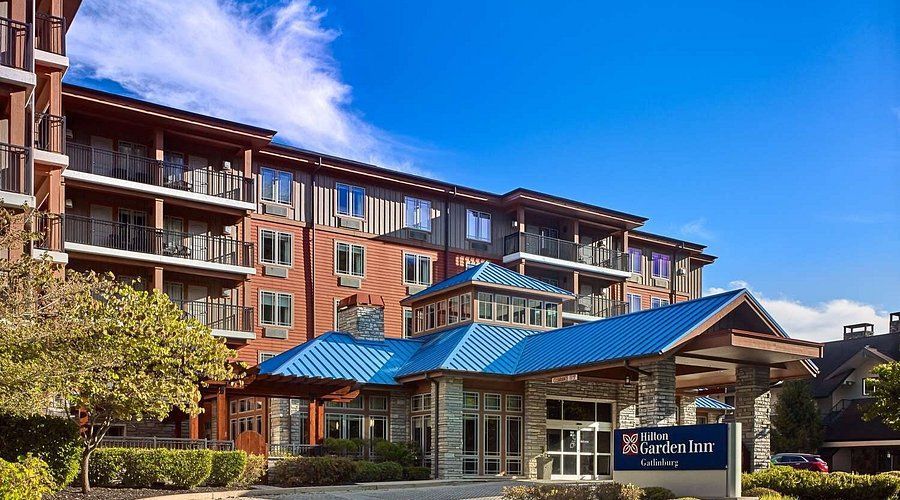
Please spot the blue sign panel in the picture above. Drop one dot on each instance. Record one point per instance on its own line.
(683, 447)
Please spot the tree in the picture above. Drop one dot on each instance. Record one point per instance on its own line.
(102, 349)
(796, 426)
(885, 406)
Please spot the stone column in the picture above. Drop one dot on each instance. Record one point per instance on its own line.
(687, 410)
(752, 400)
(399, 417)
(448, 429)
(535, 422)
(656, 394)
(626, 406)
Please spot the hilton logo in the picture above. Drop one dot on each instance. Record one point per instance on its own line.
(630, 444)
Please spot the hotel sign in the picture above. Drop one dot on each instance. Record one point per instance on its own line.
(686, 447)
(564, 378)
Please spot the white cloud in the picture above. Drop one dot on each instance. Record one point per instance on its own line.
(820, 322)
(696, 229)
(267, 65)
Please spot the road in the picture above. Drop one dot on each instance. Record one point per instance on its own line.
(486, 490)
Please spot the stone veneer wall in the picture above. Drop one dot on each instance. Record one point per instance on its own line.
(447, 422)
(687, 410)
(535, 406)
(285, 424)
(399, 417)
(656, 394)
(752, 403)
(362, 321)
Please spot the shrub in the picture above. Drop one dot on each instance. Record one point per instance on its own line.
(657, 493)
(341, 447)
(27, 479)
(107, 466)
(254, 470)
(406, 454)
(226, 468)
(809, 485)
(604, 491)
(53, 440)
(312, 471)
(762, 493)
(415, 473)
(390, 471)
(144, 468)
(367, 472)
(187, 469)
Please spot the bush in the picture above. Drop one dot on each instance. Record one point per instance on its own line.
(604, 491)
(27, 479)
(187, 469)
(809, 485)
(107, 466)
(763, 494)
(226, 468)
(254, 470)
(415, 473)
(657, 493)
(312, 471)
(53, 440)
(341, 447)
(144, 468)
(367, 472)
(390, 471)
(406, 454)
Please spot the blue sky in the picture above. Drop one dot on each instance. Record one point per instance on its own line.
(767, 131)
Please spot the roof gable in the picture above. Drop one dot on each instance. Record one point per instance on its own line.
(489, 273)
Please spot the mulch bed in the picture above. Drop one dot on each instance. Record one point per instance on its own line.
(122, 493)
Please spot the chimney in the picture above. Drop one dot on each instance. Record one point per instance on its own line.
(895, 323)
(362, 315)
(858, 331)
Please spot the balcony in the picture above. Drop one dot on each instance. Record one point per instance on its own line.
(565, 254)
(158, 246)
(14, 177)
(16, 53)
(50, 139)
(158, 177)
(226, 320)
(593, 307)
(50, 34)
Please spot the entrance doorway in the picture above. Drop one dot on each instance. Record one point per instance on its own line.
(579, 438)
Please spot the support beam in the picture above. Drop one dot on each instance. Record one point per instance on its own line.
(311, 419)
(194, 427)
(222, 416)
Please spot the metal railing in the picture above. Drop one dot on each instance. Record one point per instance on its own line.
(556, 248)
(14, 177)
(219, 316)
(15, 45)
(50, 133)
(50, 33)
(595, 305)
(168, 443)
(145, 239)
(159, 173)
(295, 450)
(49, 227)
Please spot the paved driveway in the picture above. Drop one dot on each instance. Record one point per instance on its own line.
(481, 490)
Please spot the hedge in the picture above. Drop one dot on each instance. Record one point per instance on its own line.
(762, 493)
(809, 485)
(603, 491)
(53, 440)
(415, 473)
(185, 469)
(312, 471)
(27, 479)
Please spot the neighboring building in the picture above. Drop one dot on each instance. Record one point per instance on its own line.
(843, 390)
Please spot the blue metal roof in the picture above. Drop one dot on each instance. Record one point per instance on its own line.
(474, 347)
(339, 355)
(708, 403)
(492, 274)
(643, 333)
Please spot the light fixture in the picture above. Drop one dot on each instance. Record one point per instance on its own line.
(69, 203)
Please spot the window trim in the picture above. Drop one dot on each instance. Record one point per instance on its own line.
(418, 258)
(276, 190)
(276, 294)
(260, 354)
(661, 302)
(632, 253)
(276, 235)
(406, 223)
(867, 381)
(350, 254)
(490, 225)
(668, 261)
(350, 204)
(639, 301)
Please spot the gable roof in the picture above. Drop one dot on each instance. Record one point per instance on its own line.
(708, 403)
(834, 367)
(642, 333)
(490, 274)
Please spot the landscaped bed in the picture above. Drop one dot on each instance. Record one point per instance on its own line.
(72, 493)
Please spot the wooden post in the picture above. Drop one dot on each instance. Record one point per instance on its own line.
(194, 427)
(311, 419)
(320, 422)
(157, 278)
(222, 416)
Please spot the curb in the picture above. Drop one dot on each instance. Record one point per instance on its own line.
(396, 485)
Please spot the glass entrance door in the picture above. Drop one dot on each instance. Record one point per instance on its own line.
(579, 435)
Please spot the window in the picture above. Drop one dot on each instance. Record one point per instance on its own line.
(470, 401)
(442, 313)
(421, 402)
(492, 443)
(502, 302)
(378, 428)
(276, 185)
(658, 302)
(420, 319)
(430, 316)
(485, 305)
(275, 247)
(350, 259)
(379, 403)
(518, 310)
(416, 269)
(421, 435)
(470, 444)
(552, 313)
(465, 307)
(513, 403)
(869, 386)
(661, 265)
(407, 322)
(478, 225)
(339, 426)
(635, 260)
(453, 307)
(634, 302)
(351, 200)
(265, 356)
(702, 420)
(276, 308)
(534, 312)
(418, 214)
(492, 402)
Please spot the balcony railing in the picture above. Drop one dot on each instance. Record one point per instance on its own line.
(556, 248)
(13, 174)
(168, 443)
(595, 305)
(150, 240)
(50, 133)
(219, 316)
(205, 181)
(295, 450)
(49, 228)
(15, 45)
(50, 33)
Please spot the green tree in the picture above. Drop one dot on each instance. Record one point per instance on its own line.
(101, 349)
(886, 405)
(796, 426)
